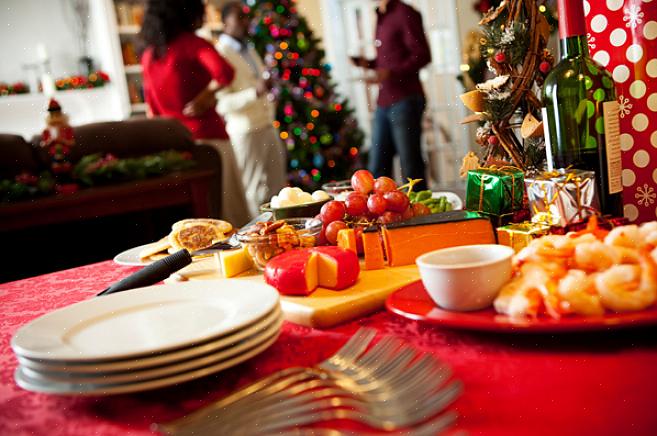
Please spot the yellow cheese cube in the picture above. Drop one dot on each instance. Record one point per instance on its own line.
(234, 262)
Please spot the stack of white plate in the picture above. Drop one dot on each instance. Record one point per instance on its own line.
(147, 338)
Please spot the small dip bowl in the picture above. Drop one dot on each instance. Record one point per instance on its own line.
(465, 278)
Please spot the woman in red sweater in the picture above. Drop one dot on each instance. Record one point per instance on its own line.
(179, 70)
(178, 65)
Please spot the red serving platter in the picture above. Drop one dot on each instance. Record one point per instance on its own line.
(413, 302)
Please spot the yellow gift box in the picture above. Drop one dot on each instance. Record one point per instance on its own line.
(518, 236)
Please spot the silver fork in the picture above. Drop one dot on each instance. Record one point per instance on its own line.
(414, 379)
(431, 428)
(317, 389)
(380, 376)
(396, 395)
(315, 406)
(353, 348)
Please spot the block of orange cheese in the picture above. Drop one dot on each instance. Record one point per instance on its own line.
(300, 272)
(347, 240)
(407, 240)
(373, 249)
(338, 268)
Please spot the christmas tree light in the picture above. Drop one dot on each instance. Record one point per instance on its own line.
(316, 124)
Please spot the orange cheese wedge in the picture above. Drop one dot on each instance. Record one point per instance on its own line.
(338, 268)
(300, 272)
(373, 250)
(407, 240)
(347, 240)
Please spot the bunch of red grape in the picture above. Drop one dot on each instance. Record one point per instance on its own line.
(372, 201)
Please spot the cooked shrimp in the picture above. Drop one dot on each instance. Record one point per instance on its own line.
(579, 294)
(595, 256)
(648, 232)
(550, 248)
(517, 300)
(627, 255)
(625, 236)
(581, 239)
(628, 287)
(544, 279)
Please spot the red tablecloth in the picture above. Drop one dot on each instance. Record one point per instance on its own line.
(603, 383)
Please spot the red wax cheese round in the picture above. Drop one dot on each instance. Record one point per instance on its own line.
(299, 272)
(338, 268)
(293, 272)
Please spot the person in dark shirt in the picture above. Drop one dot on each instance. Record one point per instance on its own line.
(402, 50)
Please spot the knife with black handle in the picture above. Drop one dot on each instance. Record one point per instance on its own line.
(153, 273)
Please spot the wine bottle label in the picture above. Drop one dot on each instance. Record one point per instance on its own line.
(612, 139)
(548, 141)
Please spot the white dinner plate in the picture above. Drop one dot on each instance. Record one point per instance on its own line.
(131, 257)
(140, 322)
(160, 371)
(76, 368)
(455, 200)
(30, 384)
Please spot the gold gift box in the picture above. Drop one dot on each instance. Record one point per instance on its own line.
(518, 236)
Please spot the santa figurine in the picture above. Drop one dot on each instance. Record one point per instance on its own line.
(57, 139)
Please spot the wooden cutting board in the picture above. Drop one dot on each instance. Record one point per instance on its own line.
(324, 307)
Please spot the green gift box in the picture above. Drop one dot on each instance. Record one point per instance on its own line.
(495, 191)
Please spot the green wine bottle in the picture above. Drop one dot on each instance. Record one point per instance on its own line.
(580, 111)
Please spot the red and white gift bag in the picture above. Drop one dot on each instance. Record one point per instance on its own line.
(623, 38)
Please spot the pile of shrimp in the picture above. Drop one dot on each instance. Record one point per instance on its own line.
(584, 273)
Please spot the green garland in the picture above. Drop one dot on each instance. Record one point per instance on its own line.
(26, 186)
(96, 169)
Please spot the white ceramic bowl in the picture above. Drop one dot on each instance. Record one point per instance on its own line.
(467, 277)
(455, 200)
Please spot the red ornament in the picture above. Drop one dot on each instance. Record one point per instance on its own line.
(493, 140)
(545, 67)
(500, 57)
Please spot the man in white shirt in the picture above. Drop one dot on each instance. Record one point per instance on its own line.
(248, 113)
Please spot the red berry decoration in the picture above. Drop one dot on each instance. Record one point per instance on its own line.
(500, 57)
(493, 140)
(545, 67)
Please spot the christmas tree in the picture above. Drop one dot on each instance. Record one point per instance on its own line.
(514, 41)
(315, 123)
